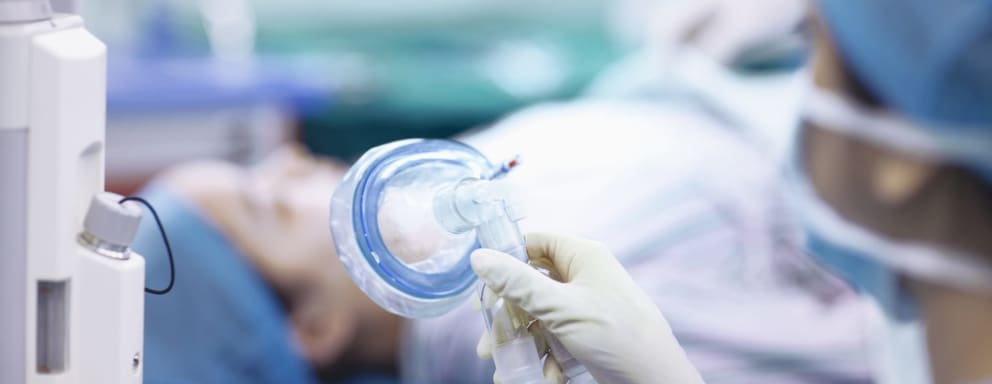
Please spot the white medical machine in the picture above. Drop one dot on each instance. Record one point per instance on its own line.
(71, 292)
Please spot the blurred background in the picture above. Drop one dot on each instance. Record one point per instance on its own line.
(232, 79)
(688, 105)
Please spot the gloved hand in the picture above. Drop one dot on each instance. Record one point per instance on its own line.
(597, 311)
(724, 29)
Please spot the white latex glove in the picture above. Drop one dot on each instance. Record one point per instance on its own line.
(723, 29)
(597, 311)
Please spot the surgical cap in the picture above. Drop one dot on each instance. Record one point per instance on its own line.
(928, 60)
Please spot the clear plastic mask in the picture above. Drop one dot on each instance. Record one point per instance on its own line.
(405, 220)
(385, 230)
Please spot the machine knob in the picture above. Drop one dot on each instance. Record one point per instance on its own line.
(23, 11)
(111, 222)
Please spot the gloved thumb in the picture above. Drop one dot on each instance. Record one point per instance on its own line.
(515, 281)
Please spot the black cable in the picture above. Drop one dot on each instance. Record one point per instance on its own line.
(165, 239)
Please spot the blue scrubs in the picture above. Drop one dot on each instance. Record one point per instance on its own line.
(221, 323)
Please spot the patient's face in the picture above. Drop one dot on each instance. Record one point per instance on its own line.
(277, 213)
(288, 196)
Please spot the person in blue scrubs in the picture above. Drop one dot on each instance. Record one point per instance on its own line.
(892, 180)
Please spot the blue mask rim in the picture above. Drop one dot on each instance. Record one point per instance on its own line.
(365, 212)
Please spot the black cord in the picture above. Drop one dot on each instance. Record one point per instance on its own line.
(165, 239)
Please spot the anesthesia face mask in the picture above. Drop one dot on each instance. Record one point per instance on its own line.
(406, 219)
(397, 228)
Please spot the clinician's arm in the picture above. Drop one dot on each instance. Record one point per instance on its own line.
(601, 316)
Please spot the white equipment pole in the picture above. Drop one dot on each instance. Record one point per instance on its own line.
(69, 312)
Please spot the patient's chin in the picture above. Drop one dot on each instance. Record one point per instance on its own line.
(369, 348)
(350, 364)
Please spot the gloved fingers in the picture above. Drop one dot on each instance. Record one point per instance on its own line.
(569, 255)
(673, 23)
(516, 282)
(537, 330)
(729, 36)
(552, 371)
(723, 29)
(487, 299)
(484, 349)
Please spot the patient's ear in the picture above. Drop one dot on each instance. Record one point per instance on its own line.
(895, 178)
